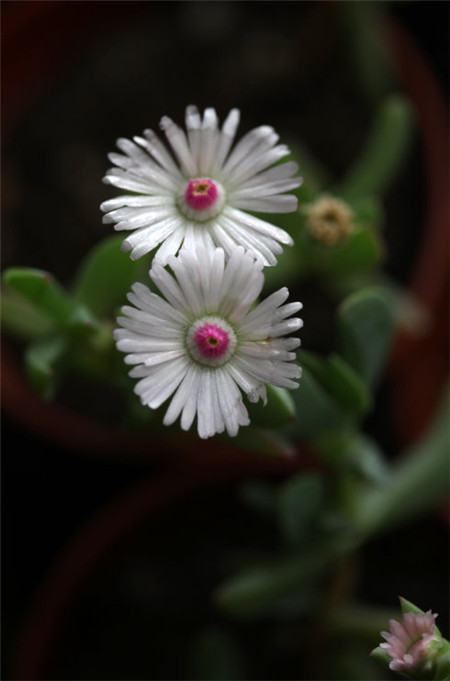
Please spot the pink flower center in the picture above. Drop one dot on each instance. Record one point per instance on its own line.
(211, 340)
(201, 193)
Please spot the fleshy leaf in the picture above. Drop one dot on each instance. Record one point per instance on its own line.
(361, 249)
(299, 502)
(41, 363)
(316, 410)
(105, 277)
(365, 324)
(41, 289)
(23, 319)
(340, 381)
(385, 150)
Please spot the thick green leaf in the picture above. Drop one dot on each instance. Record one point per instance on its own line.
(356, 452)
(359, 251)
(279, 410)
(363, 26)
(419, 481)
(407, 606)
(381, 656)
(365, 324)
(42, 361)
(346, 387)
(299, 502)
(22, 318)
(316, 410)
(385, 150)
(41, 289)
(255, 590)
(340, 381)
(105, 277)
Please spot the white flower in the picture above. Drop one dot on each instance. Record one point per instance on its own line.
(200, 195)
(202, 342)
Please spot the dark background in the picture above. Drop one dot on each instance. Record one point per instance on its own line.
(48, 494)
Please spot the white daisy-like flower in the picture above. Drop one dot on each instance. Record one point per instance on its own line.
(201, 342)
(200, 194)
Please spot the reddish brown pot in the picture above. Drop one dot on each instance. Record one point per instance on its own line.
(419, 365)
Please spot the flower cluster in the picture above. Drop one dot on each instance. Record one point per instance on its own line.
(408, 641)
(203, 340)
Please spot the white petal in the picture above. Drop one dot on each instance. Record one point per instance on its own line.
(209, 141)
(178, 142)
(230, 399)
(258, 225)
(281, 203)
(226, 138)
(250, 147)
(160, 382)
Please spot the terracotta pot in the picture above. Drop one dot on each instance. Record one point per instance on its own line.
(419, 364)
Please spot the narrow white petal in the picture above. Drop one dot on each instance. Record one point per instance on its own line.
(170, 246)
(153, 145)
(132, 200)
(178, 142)
(260, 226)
(230, 399)
(159, 382)
(278, 173)
(281, 203)
(209, 139)
(193, 126)
(145, 239)
(251, 146)
(226, 138)
(186, 394)
(168, 287)
(254, 190)
(134, 218)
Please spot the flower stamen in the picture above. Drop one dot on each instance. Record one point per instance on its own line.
(201, 199)
(211, 341)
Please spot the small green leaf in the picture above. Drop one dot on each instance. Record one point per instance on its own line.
(82, 323)
(385, 150)
(381, 656)
(41, 289)
(105, 277)
(368, 211)
(346, 386)
(255, 590)
(360, 250)
(299, 502)
(41, 363)
(279, 410)
(340, 381)
(443, 665)
(365, 324)
(316, 409)
(23, 319)
(407, 606)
